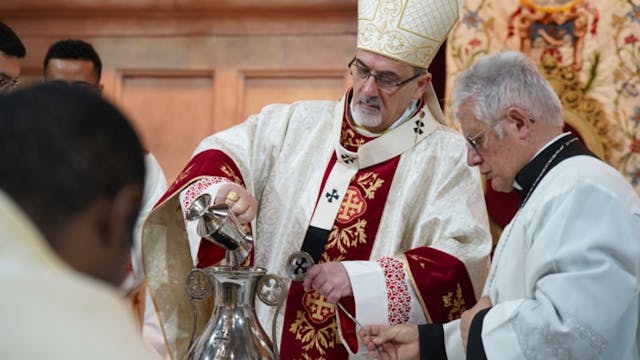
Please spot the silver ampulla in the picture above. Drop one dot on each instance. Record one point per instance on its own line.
(233, 331)
(217, 224)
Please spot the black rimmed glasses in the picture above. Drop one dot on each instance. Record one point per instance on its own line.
(383, 80)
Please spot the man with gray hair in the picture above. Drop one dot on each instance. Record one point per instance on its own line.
(564, 278)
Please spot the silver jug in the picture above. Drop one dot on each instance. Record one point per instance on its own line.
(234, 331)
(219, 225)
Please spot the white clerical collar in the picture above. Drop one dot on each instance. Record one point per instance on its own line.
(515, 183)
(408, 114)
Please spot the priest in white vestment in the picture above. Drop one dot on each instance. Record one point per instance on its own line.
(564, 277)
(70, 189)
(374, 187)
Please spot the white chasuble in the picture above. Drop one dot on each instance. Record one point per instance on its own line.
(408, 190)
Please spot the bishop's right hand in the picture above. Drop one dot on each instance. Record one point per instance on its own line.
(241, 202)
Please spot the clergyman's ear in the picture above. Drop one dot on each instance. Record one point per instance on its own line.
(521, 120)
(423, 84)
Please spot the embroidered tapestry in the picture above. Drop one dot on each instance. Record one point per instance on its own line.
(588, 49)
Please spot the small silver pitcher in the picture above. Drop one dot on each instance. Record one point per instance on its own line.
(233, 331)
(219, 225)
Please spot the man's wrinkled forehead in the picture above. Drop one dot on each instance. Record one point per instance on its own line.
(465, 115)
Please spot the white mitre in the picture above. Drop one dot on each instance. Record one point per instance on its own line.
(410, 31)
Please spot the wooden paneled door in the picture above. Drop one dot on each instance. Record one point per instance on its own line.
(184, 70)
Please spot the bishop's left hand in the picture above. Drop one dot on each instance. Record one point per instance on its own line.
(467, 316)
(329, 280)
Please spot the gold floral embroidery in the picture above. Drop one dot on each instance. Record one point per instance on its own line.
(370, 183)
(417, 259)
(325, 258)
(230, 173)
(348, 237)
(320, 339)
(456, 304)
(184, 174)
(348, 138)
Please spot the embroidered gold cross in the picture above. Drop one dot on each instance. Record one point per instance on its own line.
(320, 309)
(349, 206)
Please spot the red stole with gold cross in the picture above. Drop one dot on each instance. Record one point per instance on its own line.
(309, 329)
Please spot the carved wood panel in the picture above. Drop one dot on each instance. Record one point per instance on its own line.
(266, 87)
(171, 110)
(183, 70)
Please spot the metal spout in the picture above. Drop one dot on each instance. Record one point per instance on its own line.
(218, 224)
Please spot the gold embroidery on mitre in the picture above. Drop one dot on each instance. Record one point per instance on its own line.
(407, 30)
(348, 237)
(319, 311)
(457, 303)
(230, 173)
(370, 182)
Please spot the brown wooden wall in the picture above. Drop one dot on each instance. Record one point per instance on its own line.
(183, 69)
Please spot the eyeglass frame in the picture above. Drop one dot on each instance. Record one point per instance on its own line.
(391, 86)
(473, 140)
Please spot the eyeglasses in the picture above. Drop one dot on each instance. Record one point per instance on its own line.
(7, 83)
(383, 81)
(476, 141)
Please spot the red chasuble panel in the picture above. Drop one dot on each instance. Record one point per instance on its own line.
(310, 329)
(442, 282)
(209, 163)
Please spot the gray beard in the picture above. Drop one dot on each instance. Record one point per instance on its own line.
(363, 119)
